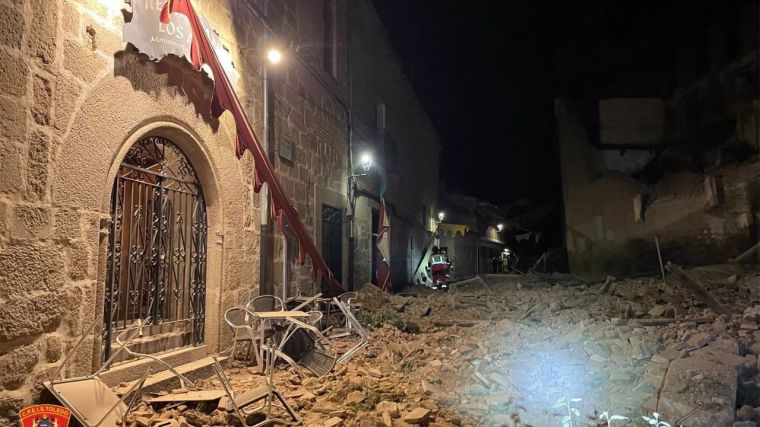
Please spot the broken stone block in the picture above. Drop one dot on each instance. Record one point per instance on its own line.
(390, 407)
(662, 310)
(417, 416)
(745, 413)
(334, 422)
(387, 420)
(355, 397)
(715, 385)
(699, 340)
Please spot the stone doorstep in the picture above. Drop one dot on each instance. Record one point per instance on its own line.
(153, 344)
(128, 372)
(193, 371)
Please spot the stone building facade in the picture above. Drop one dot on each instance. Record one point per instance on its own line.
(660, 139)
(76, 101)
(389, 122)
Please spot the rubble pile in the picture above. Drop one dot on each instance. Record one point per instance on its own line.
(530, 350)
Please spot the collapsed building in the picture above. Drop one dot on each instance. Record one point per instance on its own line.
(659, 138)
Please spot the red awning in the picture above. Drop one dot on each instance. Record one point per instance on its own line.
(226, 99)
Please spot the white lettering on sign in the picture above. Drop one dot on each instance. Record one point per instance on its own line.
(150, 36)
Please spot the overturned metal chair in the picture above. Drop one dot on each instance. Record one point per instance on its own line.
(305, 346)
(136, 329)
(240, 402)
(90, 400)
(354, 326)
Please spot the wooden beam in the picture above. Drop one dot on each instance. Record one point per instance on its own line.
(698, 289)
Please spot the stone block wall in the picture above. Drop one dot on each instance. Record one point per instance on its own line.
(406, 150)
(73, 99)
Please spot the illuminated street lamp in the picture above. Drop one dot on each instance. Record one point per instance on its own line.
(366, 161)
(500, 227)
(274, 56)
(441, 216)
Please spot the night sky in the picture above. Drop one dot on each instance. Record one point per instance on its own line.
(484, 72)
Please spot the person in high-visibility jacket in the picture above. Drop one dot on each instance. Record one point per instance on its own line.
(438, 266)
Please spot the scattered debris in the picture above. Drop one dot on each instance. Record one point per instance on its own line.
(481, 358)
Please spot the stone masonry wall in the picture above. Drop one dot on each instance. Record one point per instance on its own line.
(603, 235)
(73, 99)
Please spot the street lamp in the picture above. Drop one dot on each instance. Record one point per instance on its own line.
(441, 216)
(500, 227)
(274, 56)
(366, 161)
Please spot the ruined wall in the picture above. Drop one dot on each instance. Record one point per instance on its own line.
(73, 99)
(406, 150)
(604, 234)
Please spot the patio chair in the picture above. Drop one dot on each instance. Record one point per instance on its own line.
(265, 303)
(240, 403)
(351, 300)
(354, 326)
(90, 400)
(238, 319)
(136, 330)
(305, 346)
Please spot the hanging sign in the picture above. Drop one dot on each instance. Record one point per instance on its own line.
(150, 36)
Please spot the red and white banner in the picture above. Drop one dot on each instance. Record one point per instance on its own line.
(203, 53)
(384, 249)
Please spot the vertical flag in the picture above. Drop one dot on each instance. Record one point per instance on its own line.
(383, 246)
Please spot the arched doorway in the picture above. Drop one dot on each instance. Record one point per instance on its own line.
(157, 249)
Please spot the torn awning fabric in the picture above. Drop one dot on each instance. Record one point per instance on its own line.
(202, 52)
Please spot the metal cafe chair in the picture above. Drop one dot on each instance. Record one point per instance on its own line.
(136, 330)
(355, 326)
(239, 403)
(350, 300)
(305, 346)
(315, 318)
(238, 320)
(90, 400)
(265, 303)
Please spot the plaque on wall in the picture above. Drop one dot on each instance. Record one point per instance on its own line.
(286, 150)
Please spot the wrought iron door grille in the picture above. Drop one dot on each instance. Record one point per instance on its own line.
(157, 248)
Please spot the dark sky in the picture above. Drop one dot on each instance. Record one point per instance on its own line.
(484, 72)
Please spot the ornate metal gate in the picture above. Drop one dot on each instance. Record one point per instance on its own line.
(157, 249)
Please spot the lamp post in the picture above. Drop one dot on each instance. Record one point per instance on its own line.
(274, 57)
(366, 163)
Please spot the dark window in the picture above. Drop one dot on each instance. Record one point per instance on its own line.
(332, 242)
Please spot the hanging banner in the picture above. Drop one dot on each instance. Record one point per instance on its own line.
(157, 39)
(384, 249)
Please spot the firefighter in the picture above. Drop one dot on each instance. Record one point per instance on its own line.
(438, 266)
(505, 260)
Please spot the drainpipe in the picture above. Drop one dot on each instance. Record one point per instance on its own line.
(265, 232)
(351, 190)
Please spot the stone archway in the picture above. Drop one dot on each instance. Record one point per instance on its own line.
(156, 264)
(112, 117)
